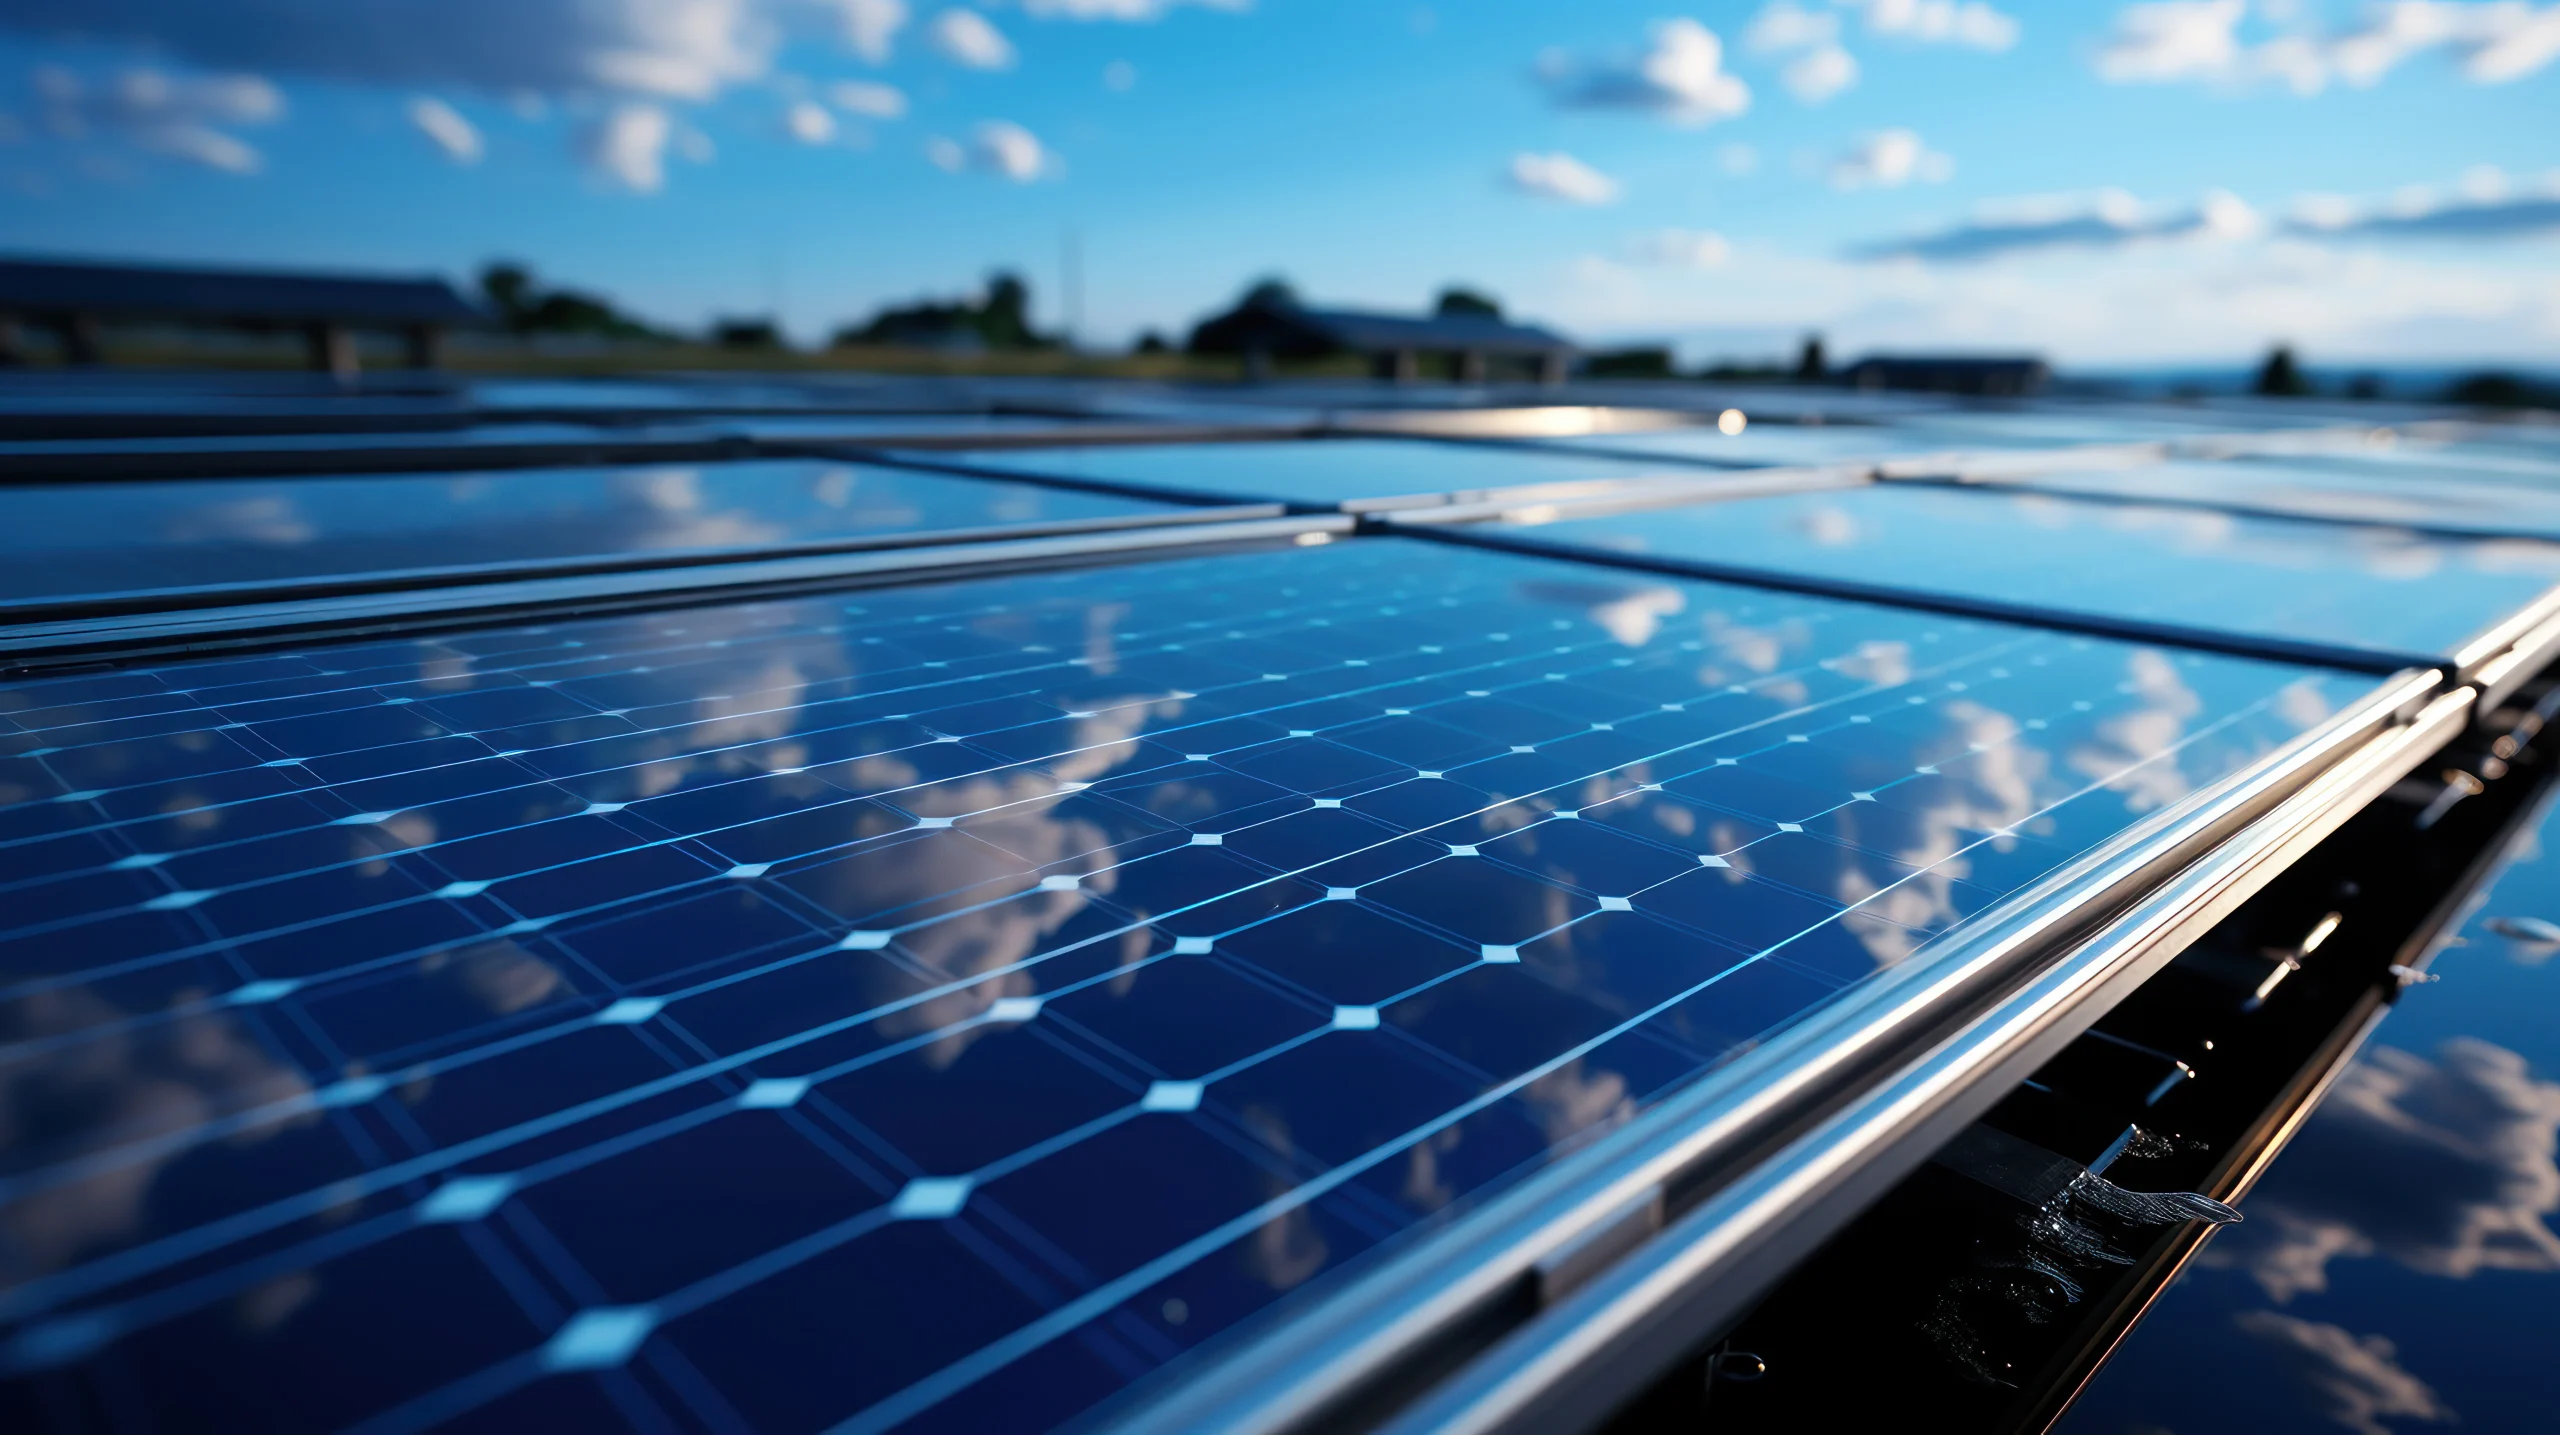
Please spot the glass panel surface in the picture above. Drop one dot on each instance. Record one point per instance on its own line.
(1352, 473)
(2380, 590)
(2403, 1244)
(940, 1008)
(59, 541)
(460, 440)
(2441, 497)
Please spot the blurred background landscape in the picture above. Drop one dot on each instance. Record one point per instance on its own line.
(2152, 196)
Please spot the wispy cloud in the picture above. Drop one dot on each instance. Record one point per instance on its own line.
(965, 37)
(869, 99)
(1817, 65)
(870, 27)
(2485, 207)
(1680, 248)
(2110, 219)
(185, 117)
(627, 146)
(446, 129)
(809, 122)
(998, 147)
(1969, 24)
(2170, 41)
(1679, 77)
(1889, 159)
(1135, 10)
(1561, 176)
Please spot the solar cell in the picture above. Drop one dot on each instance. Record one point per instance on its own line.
(1351, 474)
(2398, 596)
(943, 1007)
(60, 541)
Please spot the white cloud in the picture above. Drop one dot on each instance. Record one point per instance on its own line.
(998, 147)
(809, 122)
(2484, 205)
(1784, 27)
(1889, 159)
(2172, 40)
(2159, 300)
(1561, 176)
(1122, 9)
(1970, 23)
(1818, 74)
(1737, 158)
(965, 37)
(1120, 76)
(445, 127)
(869, 99)
(645, 49)
(2109, 219)
(628, 146)
(1680, 78)
(2491, 42)
(183, 117)
(1681, 248)
(1818, 66)
(870, 27)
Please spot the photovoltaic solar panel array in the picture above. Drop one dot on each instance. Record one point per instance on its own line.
(1122, 906)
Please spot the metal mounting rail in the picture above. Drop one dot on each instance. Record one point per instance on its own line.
(126, 602)
(1539, 1310)
(130, 635)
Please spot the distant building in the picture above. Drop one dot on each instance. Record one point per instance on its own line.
(1269, 325)
(1950, 374)
(74, 300)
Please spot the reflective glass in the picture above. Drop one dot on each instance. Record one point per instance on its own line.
(33, 453)
(2399, 1261)
(940, 1008)
(2379, 590)
(2463, 499)
(58, 541)
(1349, 473)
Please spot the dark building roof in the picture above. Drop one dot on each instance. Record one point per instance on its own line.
(1950, 373)
(1290, 331)
(157, 292)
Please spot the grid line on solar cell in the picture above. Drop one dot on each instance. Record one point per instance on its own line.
(682, 1040)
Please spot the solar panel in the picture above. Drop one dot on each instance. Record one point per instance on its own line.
(1351, 474)
(60, 541)
(2442, 499)
(476, 443)
(2399, 597)
(945, 1007)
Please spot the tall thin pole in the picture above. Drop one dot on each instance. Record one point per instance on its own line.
(1071, 281)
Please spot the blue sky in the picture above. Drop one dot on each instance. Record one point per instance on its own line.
(2108, 183)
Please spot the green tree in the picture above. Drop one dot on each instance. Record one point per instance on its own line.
(1811, 367)
(1459, 300)
(2279, 377)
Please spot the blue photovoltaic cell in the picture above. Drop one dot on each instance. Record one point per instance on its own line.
(2378, 590)
(57, 541)
(1351, 473)
(940, 1008)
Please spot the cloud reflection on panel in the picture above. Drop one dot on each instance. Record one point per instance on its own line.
(2444, 1166)
(2356, 1381)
